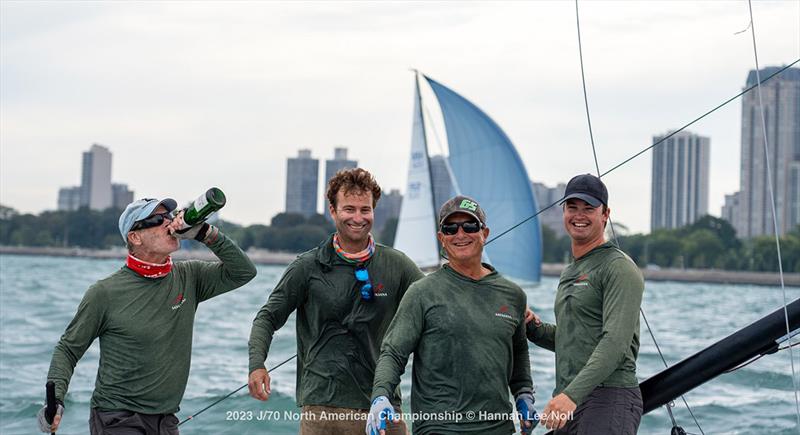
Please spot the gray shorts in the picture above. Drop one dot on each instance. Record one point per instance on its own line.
(131, 423)
(606, 411)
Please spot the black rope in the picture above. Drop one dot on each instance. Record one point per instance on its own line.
(232, 393)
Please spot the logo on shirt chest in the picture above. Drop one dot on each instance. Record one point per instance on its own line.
(178, 301)
(380, 291)
(503, 312)
(581, 281)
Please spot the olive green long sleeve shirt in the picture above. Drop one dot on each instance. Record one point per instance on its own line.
(338, 333)
(470, 351)
(596, 335)
(145, 328)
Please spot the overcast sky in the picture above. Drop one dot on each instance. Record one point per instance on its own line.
(192, 94)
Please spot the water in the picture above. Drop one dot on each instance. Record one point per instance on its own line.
(39, 295)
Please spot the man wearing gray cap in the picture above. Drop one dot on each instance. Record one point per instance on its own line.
(465, 324)
(596, 335)
(144, 315)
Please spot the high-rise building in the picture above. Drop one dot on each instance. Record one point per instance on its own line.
(121, 196)
(69, 198)
(781, 98)
(388, 207)
(679, 187)
(443, 188)
(553, 217)
(333, 166)
(730, 211)
(96, 178)
(302, 176)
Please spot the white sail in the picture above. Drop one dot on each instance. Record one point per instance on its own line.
(416, 227)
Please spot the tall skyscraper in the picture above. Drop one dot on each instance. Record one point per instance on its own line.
(333, 166)
(679, 187)
(781, 97)
(339, 162)
(96, 190)
(302, 176)
(96, 178)
(553, 217)
(442, 182)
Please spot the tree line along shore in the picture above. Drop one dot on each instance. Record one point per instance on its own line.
(705, 251)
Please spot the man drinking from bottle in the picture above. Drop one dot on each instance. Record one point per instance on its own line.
(143, 315)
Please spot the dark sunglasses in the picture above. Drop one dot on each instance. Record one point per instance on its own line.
(469, 227)
(363, 276)
(151, 221)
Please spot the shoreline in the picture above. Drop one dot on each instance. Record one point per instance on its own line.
(261, 256)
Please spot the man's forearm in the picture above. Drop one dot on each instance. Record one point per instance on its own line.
(543, 335)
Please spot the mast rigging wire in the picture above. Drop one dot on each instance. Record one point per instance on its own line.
(774, 213)
(232, 393)
(556, 202)
(659, 142)
(668, 406)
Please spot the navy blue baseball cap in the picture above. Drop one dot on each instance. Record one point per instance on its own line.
(586, 187)
(140, 209)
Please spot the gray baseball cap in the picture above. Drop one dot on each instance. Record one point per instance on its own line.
(140, 209)
(462, 204)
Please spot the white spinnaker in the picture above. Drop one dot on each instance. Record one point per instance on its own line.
(416, 227)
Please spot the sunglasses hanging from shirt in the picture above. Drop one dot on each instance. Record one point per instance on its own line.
(362, 276)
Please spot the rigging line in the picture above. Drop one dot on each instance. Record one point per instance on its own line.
(745, 364)
(774, 213)
(232, 393)
(588, 117)
(669, 405)
(698, 118)
(583, 80)
(655, 144)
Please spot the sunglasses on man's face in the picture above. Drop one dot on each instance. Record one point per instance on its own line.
(469, 227)
(151, 221)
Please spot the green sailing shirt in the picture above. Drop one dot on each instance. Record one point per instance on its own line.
(338, 333)
(470, 352)
(596, 335)
(145, 328)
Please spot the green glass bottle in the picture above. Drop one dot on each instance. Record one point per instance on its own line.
(203, 206)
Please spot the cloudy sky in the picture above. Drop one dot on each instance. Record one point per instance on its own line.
(193, 94)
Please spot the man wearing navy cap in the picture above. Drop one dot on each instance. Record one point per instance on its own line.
(596, 335)
(144, 315)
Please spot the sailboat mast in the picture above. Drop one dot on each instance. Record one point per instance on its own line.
(749, 342)
(427, 157)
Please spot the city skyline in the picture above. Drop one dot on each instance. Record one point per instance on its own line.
(227, 95)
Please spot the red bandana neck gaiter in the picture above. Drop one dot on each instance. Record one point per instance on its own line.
(149, 270)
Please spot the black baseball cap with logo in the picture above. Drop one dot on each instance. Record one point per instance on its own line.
(588, 188)
(462, 204)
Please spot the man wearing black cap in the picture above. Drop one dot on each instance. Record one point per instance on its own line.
(596, 335)
(144, 316)
(465, 324)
